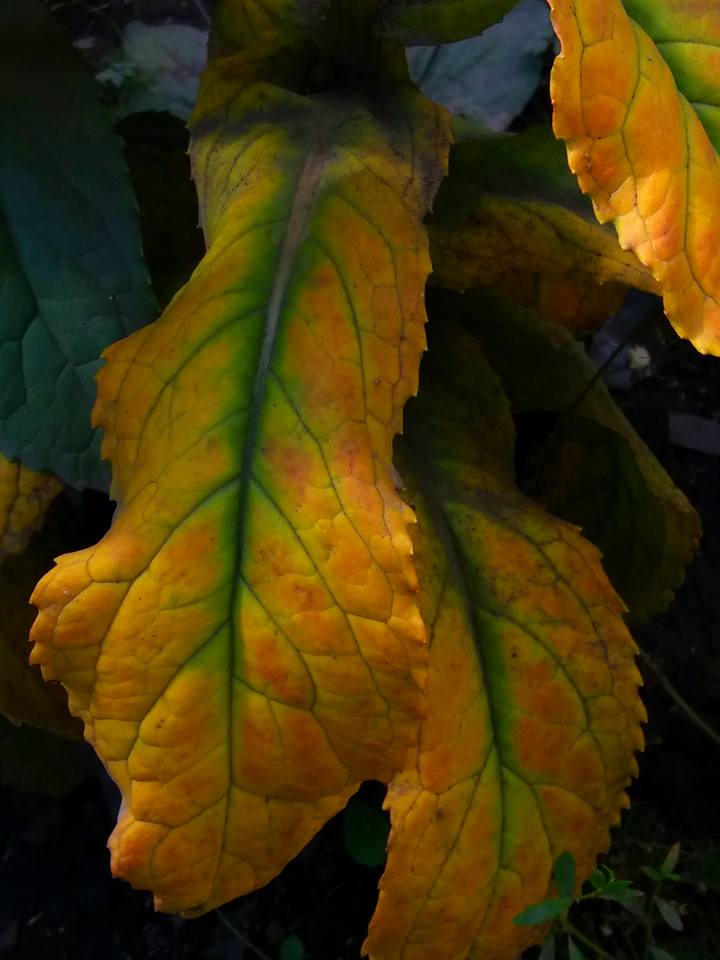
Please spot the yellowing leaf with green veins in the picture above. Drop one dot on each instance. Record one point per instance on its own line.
(638, 146)
(24, 498)
(593, 469)
(509, 217)
(245, 645)
(533, 713)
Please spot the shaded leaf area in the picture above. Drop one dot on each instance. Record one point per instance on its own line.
(427, 22)
(24, 498)
(592, 469)
(24, 696)
(509, 217)
(639, 149)
(156, 147)
(40, 763)
(492, 77)
(533, 715)
(73, 278)
(245, 645)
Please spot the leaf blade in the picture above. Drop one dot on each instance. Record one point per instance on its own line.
(70, 256)
(259, 556)
(469, 809)
(642, 154)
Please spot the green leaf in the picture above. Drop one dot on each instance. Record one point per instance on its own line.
(422, 22)
(547, 951)
(543, 912)
(292, 948)
(72, 275)
(659, 954)
(669, 914)
(564, 873)
(489, 78)
(670, 861)
(365, 832)
(593, 470)
(574, 952)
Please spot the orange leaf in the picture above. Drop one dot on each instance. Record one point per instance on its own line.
(640, 150)
(533, 714)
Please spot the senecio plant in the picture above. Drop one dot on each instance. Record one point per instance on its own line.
(293, 597)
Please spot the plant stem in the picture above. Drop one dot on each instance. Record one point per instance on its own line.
(241, 936)
(586, 941)
(691, 714)
(202, 10)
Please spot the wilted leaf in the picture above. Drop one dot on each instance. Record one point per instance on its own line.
(509, 217)
(245, 644)
(72, 278)
(24, 498)
(594, 469)
(489, 78)
(424, 22)
(639, 148)
(532, 715)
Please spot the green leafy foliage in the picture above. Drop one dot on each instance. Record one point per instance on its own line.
(73, 277)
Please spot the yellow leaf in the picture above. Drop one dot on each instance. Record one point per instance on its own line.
(510, 218)
(533, 715)
(245, 644)
(641, 152)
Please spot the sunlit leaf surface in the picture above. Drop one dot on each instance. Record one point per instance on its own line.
(245, 644)
(639, 147)
(533, 714)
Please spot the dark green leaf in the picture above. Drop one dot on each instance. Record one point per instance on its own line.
(365, 832)
(73, 277)
(292, 948)
(574, 952)
(547, 951)
(658, 954)
(564, 872)
(543, 912)
(423, 22)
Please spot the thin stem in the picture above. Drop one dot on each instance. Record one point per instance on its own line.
(241, 936)
(202, 10)
(679, 700)
(586, 941)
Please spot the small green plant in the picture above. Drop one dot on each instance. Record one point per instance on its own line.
(649, 909)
